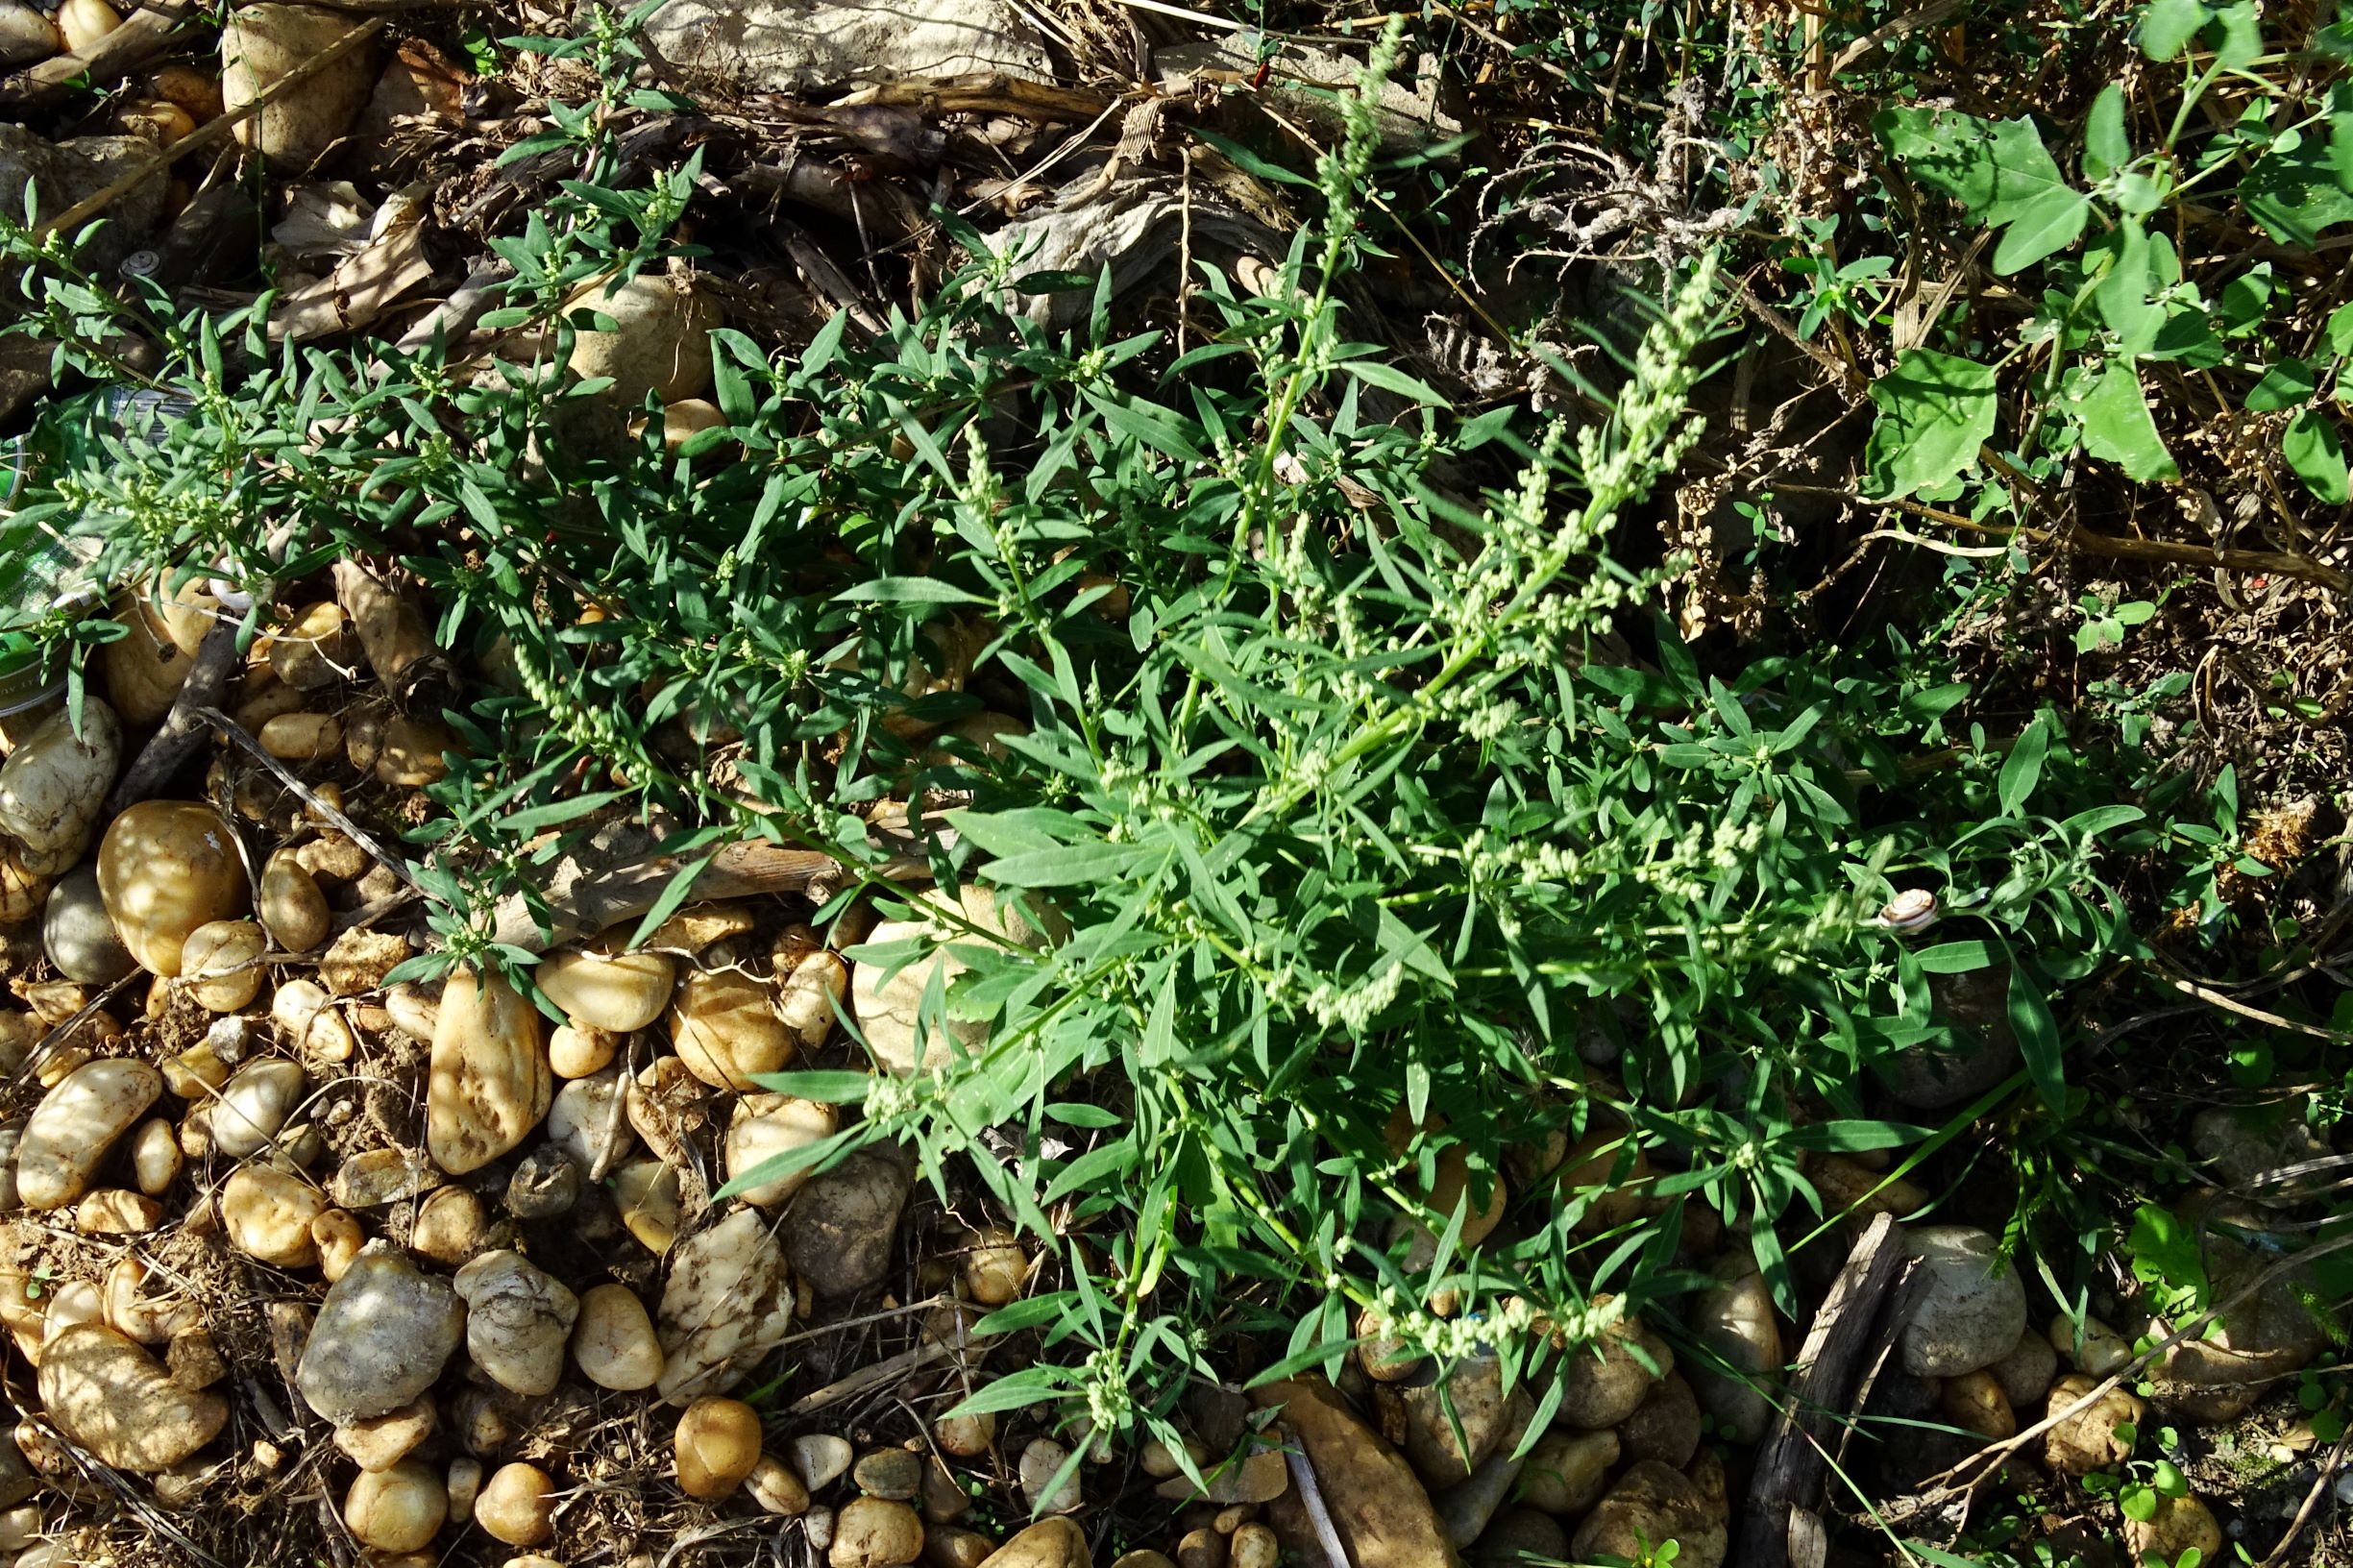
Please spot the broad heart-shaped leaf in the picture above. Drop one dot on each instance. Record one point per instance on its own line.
(2048, 224)
(2117, 424)
(2106, 148)
(1935, 411)
(2283, 386)
(2293, 191)
(2168, 24)
(1999, 169)
(2313, 449)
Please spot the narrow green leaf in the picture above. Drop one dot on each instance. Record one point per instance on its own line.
(2038, 1038)
(908, 591)
(2022, 768)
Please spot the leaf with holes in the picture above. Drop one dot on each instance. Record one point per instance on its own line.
(1935, 411)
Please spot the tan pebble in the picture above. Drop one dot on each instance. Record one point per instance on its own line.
(614, 1341)
(888, 1472)
(399, 1509)
(155, 1156)
(71, 1305)
(1160, 1461)
(18, 1527)
(646, 1192)
(1974, 1402)
(576, 1050)
(112, 1212)
(995, 1267)
(156, 119)
(820, 1458)
(194, 90)
(689, 417)
(1230, 1520)
(1042, 1463)
(164, 869)
(194, 1072)
(26, 36)
(811, 982)
(253, 1108)
(489, 1083)
(379, 1442)
(193, 1359)
(410, 755)
(966, 1436)
(2079, 1444)
(1254, 1546)
(766, 1126)
(464, 1484)
(947, 1546)
(773, 1486)
(75, 1124)
(1567, 1472)
(267, 1216)
(517, 1504)
(725, 1029)
(450, 1226)
(818, 1525)
(314, 651)
(290, 906)
(128, 1311)
(415, 1009)
(876, 1532)
(715, 1446)
(221, 963)
(84, 22)
(1201, 1549)
(2102, 1351)
(333, 857)
(337, 1235)
(622, 992)
(115, 1399)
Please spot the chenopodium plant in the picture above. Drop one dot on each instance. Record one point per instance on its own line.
(1340, 843)
(2125, 283)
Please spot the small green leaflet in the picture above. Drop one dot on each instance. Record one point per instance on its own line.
(2117, 426)
(2106, 148)
(2340, 331)
(1999, 169)
(2166, 25)
(2122, 292)
(2313, 449)
(1935, 411)
(2283, 386)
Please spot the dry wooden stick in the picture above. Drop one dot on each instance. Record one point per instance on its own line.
(169, 749)
(739, 870)
(215, 130)
(1794, 1460)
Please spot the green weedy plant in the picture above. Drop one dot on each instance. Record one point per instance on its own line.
(1340, 808)
(2138, 291)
